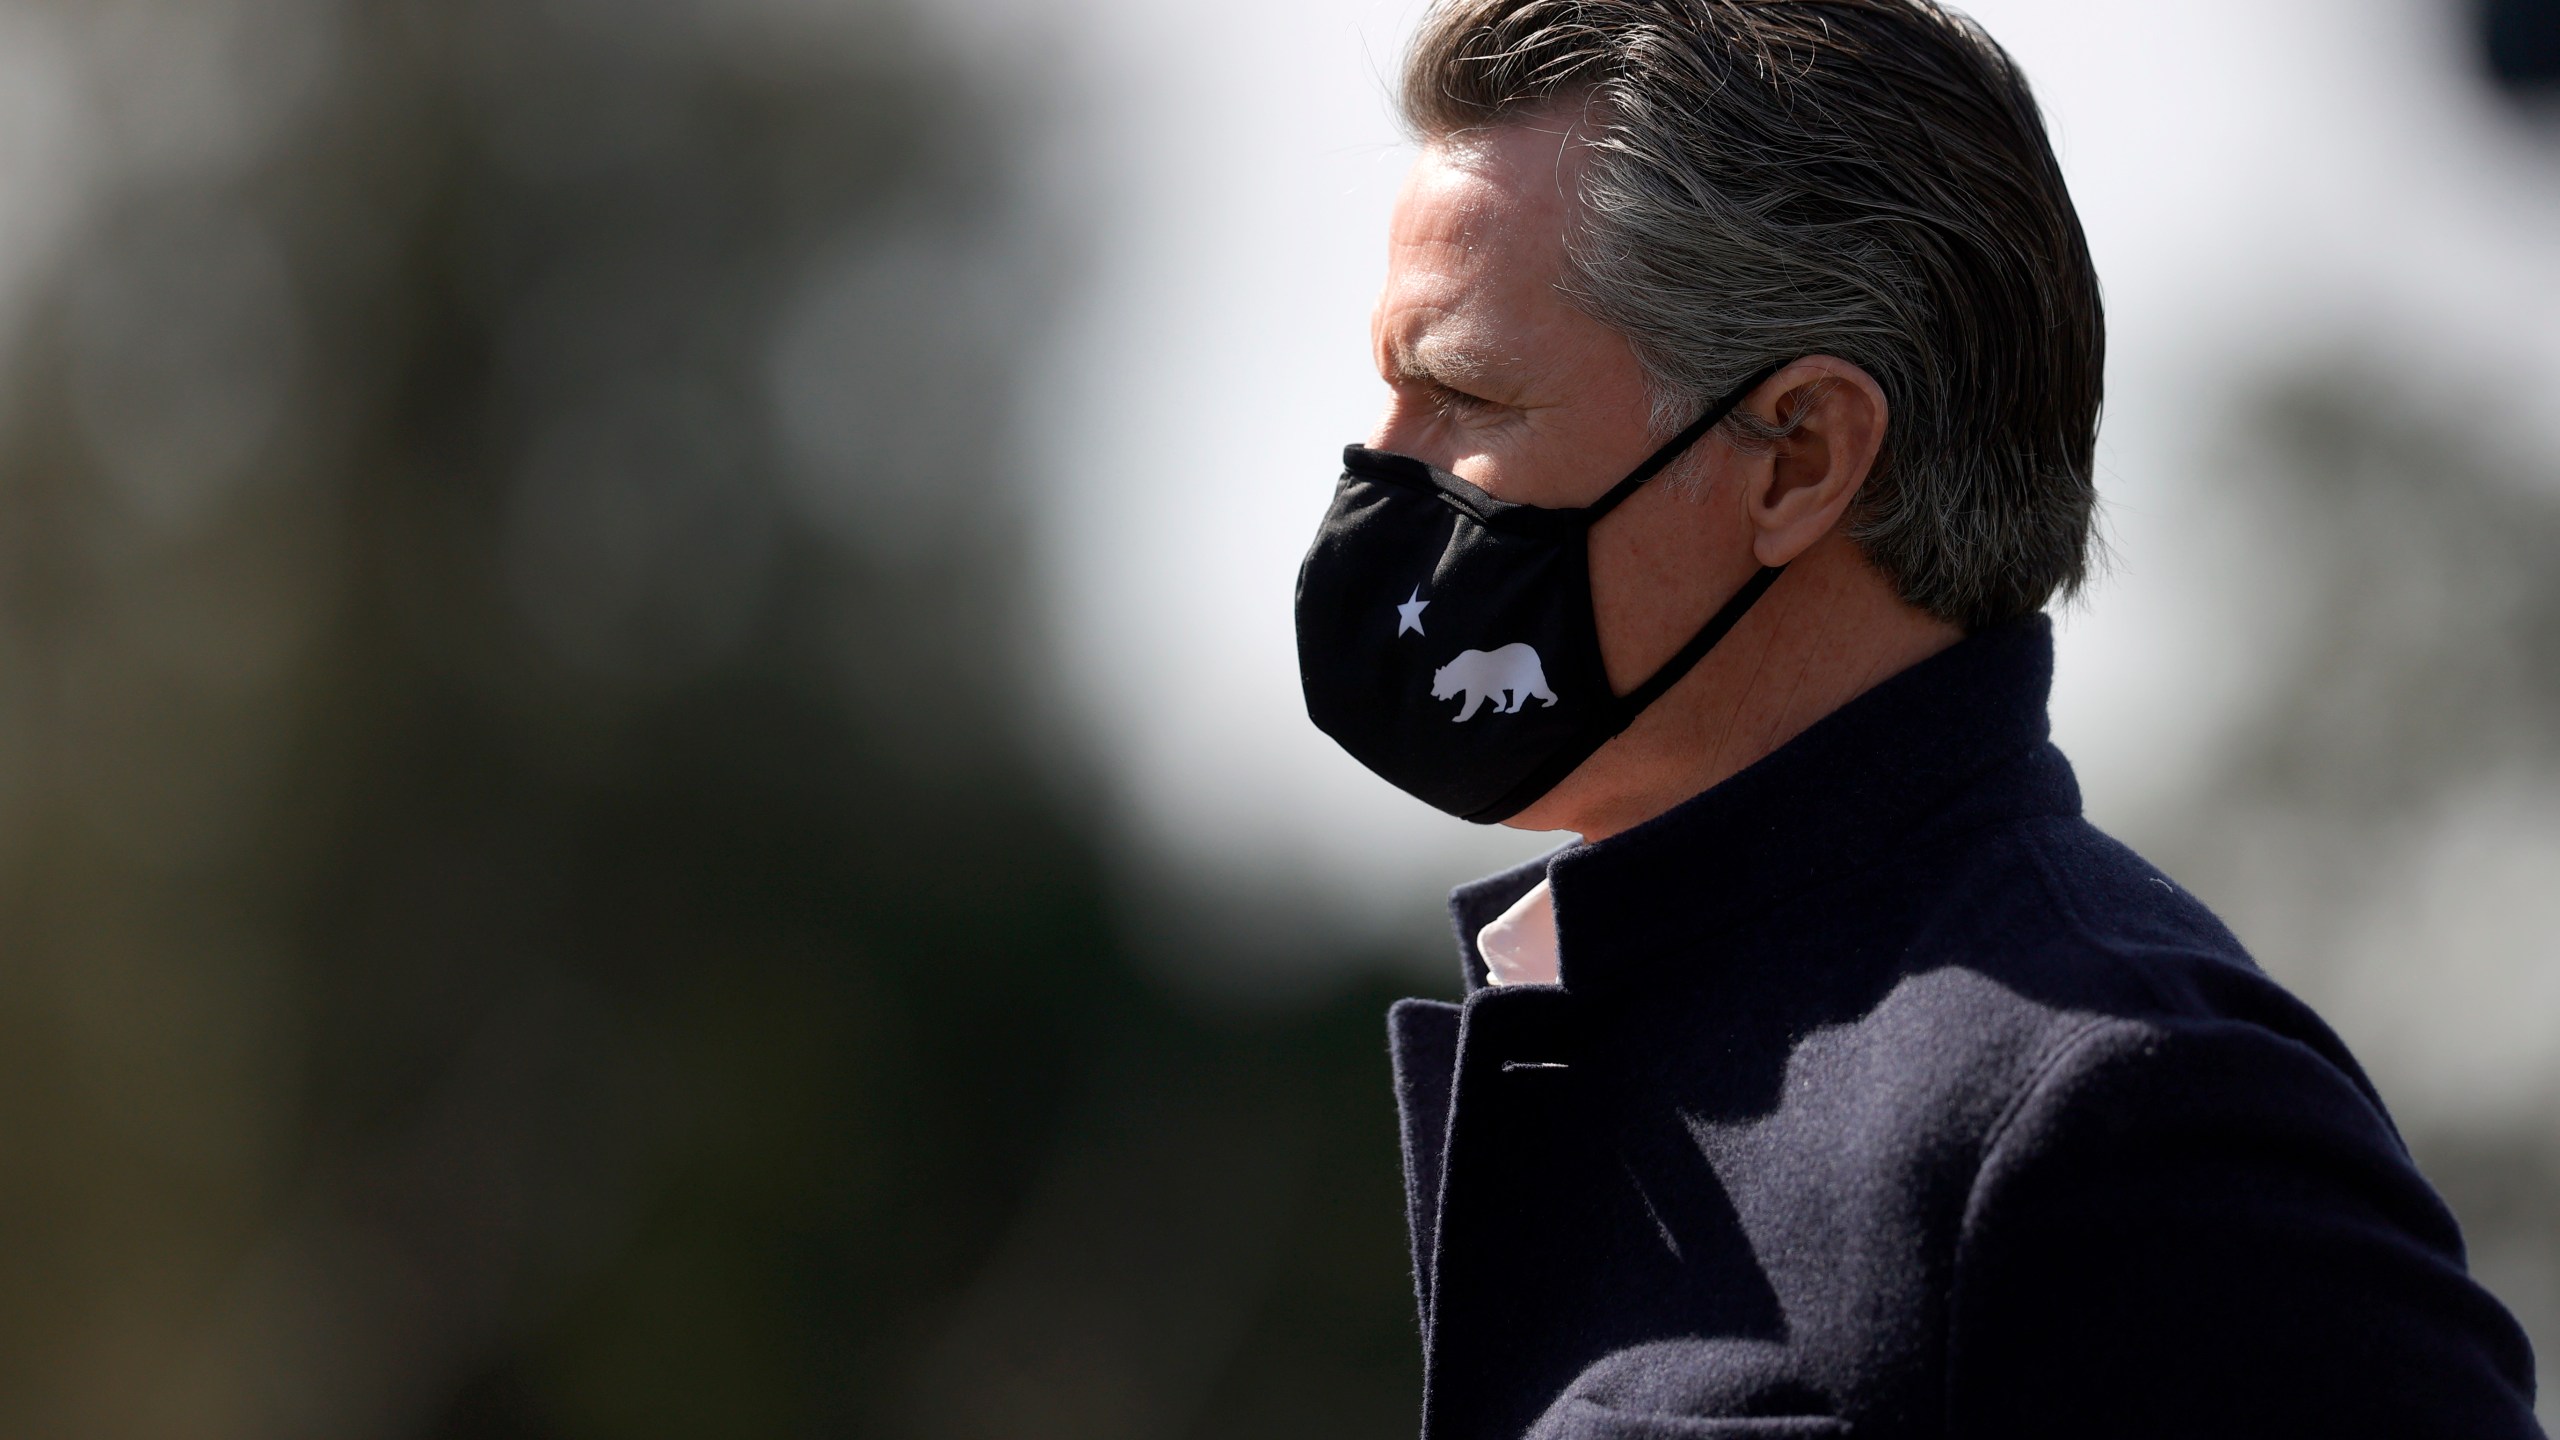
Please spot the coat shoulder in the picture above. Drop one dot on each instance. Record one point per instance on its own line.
(2088, 935)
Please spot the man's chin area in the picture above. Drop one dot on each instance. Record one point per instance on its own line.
(1583, 805)
(1535, 826)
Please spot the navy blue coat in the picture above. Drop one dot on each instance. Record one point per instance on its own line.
(1884, 1096)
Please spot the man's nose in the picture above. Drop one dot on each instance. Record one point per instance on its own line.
(1409, 428)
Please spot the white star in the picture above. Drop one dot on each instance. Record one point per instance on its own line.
(1409, 614)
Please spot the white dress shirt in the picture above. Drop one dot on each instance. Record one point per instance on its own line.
(1519, 947)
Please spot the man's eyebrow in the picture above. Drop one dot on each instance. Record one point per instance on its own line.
(1436, 361)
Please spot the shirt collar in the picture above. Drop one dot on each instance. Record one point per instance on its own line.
(1957, 740)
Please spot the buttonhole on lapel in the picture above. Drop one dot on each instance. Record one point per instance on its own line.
(1510, 1065)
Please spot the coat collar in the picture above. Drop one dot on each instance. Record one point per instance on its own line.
(1959, 740)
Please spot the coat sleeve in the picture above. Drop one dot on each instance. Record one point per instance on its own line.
(2211, 1230)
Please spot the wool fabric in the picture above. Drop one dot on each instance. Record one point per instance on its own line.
(1881, 1095)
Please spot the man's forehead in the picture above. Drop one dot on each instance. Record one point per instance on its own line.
(1468, 186)
(1448, 323)
(1478, 248)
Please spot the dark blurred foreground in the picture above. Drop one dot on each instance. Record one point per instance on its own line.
(528, 904)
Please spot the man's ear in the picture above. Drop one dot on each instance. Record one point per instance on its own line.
(1804, 485)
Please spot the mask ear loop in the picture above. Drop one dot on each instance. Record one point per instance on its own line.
(1679, 443)
(1633, 703)
(1624, 709)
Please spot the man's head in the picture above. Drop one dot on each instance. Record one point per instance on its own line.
(1624, 209)
(1747, 181)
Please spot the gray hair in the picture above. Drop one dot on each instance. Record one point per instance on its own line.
(1861, 178)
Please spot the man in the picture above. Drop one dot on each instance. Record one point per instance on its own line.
(1844, 1081)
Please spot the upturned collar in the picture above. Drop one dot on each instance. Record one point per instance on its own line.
(1957, 741)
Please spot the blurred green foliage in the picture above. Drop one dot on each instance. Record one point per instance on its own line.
(535, 899)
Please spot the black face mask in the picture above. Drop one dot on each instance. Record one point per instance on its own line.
(1446, 639)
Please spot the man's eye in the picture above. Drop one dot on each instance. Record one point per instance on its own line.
(1458, 402)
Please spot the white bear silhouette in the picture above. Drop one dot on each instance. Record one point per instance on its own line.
(1511, 673)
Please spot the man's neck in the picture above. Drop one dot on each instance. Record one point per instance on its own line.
(1829, 631)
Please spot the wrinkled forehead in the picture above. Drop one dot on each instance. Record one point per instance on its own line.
(1494, 188)
(1479, 233)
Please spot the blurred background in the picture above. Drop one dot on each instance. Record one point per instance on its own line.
(650, 773)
